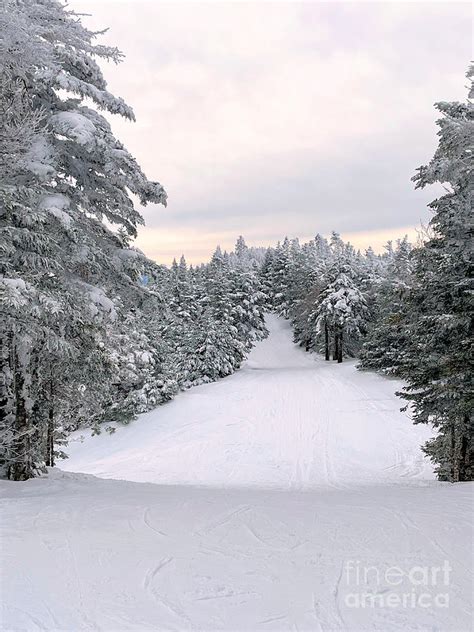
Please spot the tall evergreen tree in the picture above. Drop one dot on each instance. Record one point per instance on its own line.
(64, 275)
(439, 368)
(385, 346)
(340, 312)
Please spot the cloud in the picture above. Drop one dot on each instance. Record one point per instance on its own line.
(271, 118)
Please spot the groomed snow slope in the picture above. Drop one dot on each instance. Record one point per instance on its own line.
(287, 419)
(81, 553)
(292, 487)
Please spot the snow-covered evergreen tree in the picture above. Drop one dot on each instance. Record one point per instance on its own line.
(340, 312)
(215, 316)
(278, 278)
(438, 366)
(64, 273)
(385, 345)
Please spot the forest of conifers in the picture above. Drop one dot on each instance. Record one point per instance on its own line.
(94, 332)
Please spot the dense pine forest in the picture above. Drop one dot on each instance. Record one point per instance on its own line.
(94, 332)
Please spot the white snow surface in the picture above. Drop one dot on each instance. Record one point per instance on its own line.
(99, 301)
(57, 204)
(275, 486)
(75, 126)
(287, 419)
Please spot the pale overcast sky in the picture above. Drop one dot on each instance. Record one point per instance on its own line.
(271, 119)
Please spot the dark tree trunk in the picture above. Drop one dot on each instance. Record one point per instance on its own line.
(50, 430)
(462, 459)
(326, 340)
(21, 467)
(339, 349)
(454, 459)
(6, 367)
(336, 346)
(467, 465)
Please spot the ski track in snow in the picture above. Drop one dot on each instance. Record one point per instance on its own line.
(287, 419)
(270, 482)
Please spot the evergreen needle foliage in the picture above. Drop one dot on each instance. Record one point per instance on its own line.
(93, 332)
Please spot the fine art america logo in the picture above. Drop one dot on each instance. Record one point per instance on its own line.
(396, 586)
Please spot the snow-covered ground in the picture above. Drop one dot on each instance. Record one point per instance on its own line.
(287, 419)
(287, 493)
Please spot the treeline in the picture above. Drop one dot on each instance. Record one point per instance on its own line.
(91, 330)
(324, 287)
(407, 312)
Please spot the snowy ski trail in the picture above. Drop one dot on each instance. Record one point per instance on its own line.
(287, 419)
(275, 484)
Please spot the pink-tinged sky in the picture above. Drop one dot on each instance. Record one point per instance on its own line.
(271, 119)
